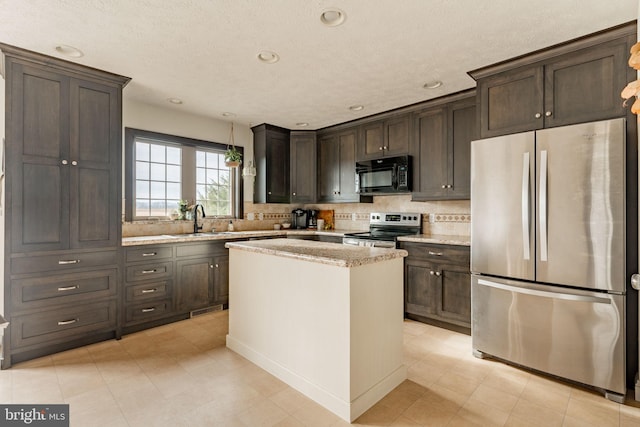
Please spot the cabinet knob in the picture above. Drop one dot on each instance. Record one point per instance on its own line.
(449, 186)
(64, 162)
(294, 194)
(74, 163)
(547, 114)
(432, 272)
(380, 148)
(538, 115)
(385, 148)
(444, 186)
(438, 273)
(269, 192)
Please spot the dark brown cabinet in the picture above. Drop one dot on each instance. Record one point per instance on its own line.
(272, 154)
(303, 167)
(62, 227)
(577, 82)
(337, 167)
(442, 138)
(438, 285)
(387, 137)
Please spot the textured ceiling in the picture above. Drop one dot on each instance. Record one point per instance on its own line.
(204, 51)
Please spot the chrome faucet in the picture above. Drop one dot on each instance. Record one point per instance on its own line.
(195, 217)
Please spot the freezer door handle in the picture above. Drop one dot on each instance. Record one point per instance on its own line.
(546, 294)
(525, 206)
(543, 205)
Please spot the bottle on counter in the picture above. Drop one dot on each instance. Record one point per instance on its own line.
(230, 226)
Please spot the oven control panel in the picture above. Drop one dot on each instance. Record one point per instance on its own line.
(395, 218)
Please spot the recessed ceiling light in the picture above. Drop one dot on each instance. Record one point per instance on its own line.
(302, 124)
(69, 51)
(228, 114)
(356, 108)
(176, 101)
(432, 85)
(268, 57)
(332, 17)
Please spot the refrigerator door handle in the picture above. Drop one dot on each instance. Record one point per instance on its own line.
(543, 205)
(546, 294)
(525, 207)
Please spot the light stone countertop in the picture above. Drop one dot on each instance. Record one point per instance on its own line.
(224, 235)
(335, 254)
(440, 239)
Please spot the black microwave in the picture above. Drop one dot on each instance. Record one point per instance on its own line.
(386, 175)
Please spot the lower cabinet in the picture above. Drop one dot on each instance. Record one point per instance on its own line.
(438, 285)
(167, 282)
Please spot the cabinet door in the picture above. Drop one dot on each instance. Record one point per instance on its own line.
(194, 287)
(328, 168)
(221, 279)
(511, 102)
(303, 167)
(462, 130)
(37, 146)
(431, 134)
(586, 86)
(454, 303)
(372, 140)
(94, 165)
(397, 135)
(347, 143)
(421, 291)
(277, 167)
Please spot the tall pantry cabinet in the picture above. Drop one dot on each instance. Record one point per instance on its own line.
(63, 151)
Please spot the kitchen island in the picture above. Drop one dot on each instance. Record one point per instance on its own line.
(324, 318)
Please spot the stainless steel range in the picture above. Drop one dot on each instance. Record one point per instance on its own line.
(385, 228)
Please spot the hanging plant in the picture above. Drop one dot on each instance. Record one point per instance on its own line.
(633, 88)
(232, 157)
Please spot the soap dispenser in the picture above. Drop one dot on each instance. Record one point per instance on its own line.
(230, 226)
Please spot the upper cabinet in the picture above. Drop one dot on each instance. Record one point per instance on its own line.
(386, 137)
(576, 82)
(63, 154)
(303, 167)
(271, 151)
(442, 139)
(337, 167)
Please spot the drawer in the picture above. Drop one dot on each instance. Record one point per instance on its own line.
(148, 311)
(151, 271)
(55, 326)
(62, 261)
(439, 253)
(209, 248)
(148, 290)
(148, 253)
(54, 289)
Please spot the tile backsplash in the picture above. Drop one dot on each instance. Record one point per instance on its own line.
(438, 217)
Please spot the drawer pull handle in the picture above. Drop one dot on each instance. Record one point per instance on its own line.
(149, 271)
(150, 254)
(68, 261)
(148, 310)
(435, 253)
(67, 322)
(67, 288)
(149, 291)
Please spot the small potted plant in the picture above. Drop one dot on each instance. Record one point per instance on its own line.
(183, 208)
(232, 157)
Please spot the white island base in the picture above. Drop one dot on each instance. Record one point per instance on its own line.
(332, 332)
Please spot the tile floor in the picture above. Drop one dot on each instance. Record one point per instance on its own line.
(183, 375)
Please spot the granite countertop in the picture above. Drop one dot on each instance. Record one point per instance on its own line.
(440, 239)
(224, 235)
(335, 254)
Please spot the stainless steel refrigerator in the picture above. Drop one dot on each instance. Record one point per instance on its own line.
(548, 252)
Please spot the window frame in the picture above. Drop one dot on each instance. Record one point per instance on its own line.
(131, 134)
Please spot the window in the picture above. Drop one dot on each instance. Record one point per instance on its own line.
(163, 169)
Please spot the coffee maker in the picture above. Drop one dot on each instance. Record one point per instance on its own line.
(313, 218)
(299, 218)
